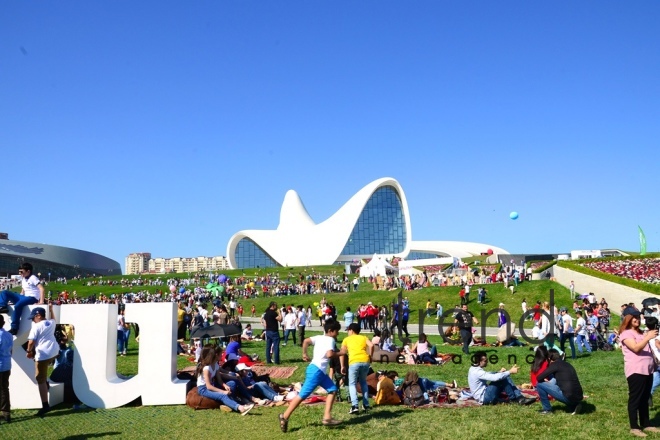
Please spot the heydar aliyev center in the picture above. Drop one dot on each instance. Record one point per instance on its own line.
(374, 221)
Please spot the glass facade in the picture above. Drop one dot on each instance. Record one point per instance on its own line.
(381, 228)
(248, 255)
(414, 255)
(9, 266)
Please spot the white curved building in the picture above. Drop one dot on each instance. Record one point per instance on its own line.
(375, 220)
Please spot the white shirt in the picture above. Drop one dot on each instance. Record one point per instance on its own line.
(212, 369)
(654, 348)
(581, 325)
(545, 326)
(290, 321)
(30, 287)
(43, 335)
(568, 323)
(204, 313)
(478, 379)
(322, 344)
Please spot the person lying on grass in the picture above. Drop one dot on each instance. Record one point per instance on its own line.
(257, 387)
(325, 348)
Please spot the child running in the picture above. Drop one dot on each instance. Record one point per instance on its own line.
(315, 375)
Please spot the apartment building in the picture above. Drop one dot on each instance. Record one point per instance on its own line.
(137, 262)
(175, 265)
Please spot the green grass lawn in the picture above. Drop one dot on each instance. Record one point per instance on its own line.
(601, 375)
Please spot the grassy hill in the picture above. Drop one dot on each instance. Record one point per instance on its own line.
(448, 297)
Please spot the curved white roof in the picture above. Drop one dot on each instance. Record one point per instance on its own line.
(298, 241)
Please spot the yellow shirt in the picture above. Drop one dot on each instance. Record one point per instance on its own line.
(357, 349)
(180, 313)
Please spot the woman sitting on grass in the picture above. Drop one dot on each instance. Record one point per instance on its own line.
(386, 343)
(423, 349)
(208, 378)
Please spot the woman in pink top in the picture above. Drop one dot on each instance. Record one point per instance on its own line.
(638, 366)
(423, 350)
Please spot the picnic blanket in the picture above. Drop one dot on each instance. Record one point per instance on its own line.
(275, 372)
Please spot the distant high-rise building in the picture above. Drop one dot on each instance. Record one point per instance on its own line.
(143, 263)
(137, 262)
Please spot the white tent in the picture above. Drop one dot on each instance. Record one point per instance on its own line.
(377, 266)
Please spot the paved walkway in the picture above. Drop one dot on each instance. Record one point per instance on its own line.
(413, 329)
(615, 294)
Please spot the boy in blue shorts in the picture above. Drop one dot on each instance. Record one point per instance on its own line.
(316, 373)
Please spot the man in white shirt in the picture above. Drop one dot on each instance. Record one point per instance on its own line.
(581, 331)
(567, 331)
(302, 323)
(486, 387)
(32, 293)
(43, 348)
(290, 320)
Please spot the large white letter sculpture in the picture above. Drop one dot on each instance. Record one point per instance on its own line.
(95, 379)
(22, 383)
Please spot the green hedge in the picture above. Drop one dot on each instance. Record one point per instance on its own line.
(545, 267)
(577, 267)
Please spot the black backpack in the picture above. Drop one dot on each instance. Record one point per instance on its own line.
(413, 395)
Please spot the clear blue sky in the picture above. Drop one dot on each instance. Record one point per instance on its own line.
(167, 126)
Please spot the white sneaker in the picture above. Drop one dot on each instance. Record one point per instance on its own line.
(247, 409)
(278, 398)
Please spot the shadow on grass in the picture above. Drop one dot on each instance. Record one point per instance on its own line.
(655, 420)
(85, 436)
(373, 415)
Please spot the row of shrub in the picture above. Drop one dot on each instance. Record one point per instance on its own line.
(578, 267)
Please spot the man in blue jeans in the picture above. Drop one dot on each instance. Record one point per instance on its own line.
(565, 388)
(32, 293)
(486, 387)
(271, 321)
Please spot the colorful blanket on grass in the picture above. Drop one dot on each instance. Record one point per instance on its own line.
(275, 372)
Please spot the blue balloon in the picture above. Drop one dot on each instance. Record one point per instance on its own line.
(182, 290)
(513, 215)
(222, 278)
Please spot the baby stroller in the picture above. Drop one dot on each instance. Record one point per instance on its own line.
(598, 340)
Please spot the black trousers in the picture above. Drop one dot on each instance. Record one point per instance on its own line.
(466, 337)
(4, 392)
(639, 390)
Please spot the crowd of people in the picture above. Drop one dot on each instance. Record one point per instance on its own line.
(551, 376)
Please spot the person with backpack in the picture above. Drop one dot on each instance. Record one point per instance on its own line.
(486, 387)
(413, 393)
